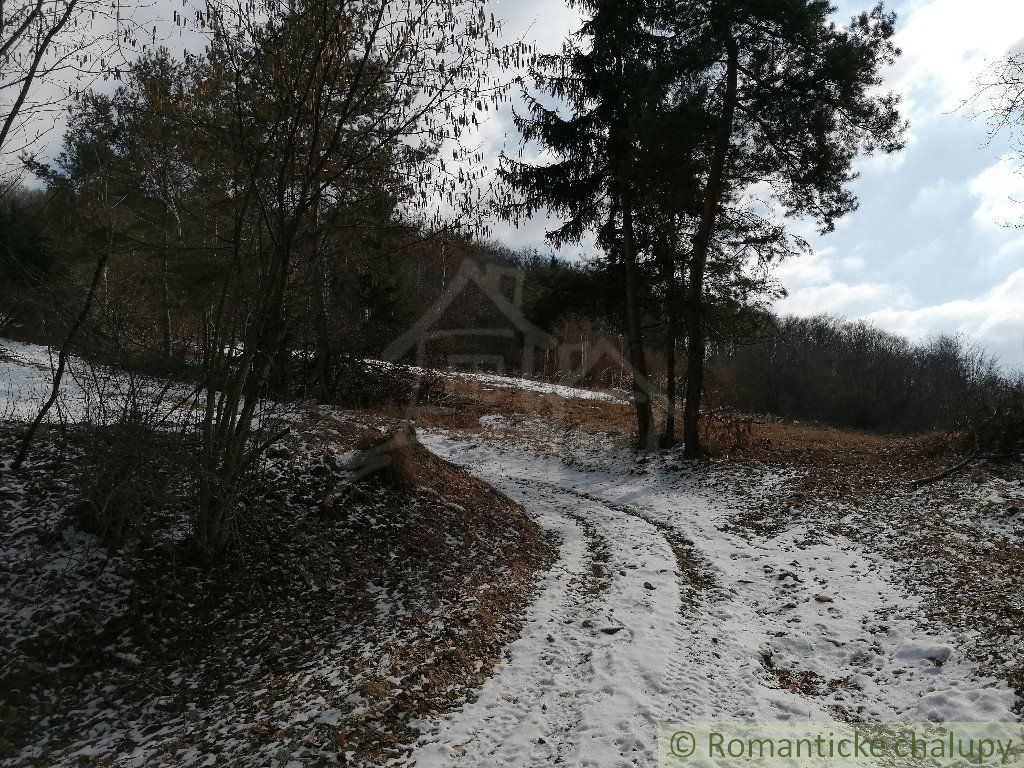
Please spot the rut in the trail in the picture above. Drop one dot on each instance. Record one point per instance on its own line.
(586, 679)
(696, 578)
(655, 612)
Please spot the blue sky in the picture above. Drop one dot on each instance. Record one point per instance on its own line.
(933, 248)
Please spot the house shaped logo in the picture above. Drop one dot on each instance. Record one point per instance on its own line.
(503, 288)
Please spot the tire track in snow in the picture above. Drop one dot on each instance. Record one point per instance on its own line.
(801, 625)
(807, 624)
(702, 677)
(586, 682)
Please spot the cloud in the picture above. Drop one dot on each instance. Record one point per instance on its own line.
(813, 269)
(1011, 250)
(1000, 192)
(933, 225)
(825, 281)
(839, 297)
(544, 22)
(935, 198)
(994, 319)
(946, 44)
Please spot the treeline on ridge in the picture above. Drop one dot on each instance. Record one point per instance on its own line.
(822, 369)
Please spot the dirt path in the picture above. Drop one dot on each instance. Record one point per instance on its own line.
(657, 610)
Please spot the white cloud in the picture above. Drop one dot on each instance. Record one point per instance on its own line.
(840, 298)
(935, 198)
(819, 282)
(813, 269)
(995, 319)
(1007, 251)
(1000, 191)
(881, 164)
(545, 22)
(946, 44)
(853, 263)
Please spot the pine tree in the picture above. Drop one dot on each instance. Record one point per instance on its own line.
(790, 99)
(610, 79)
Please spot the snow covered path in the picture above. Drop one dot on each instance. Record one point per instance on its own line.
(658, 610)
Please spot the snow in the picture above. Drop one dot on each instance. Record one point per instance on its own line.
(509, 382)
(25, 381)
(532, 385)
(26, 372)
(804, 625)
(88, 392)
(659, 608)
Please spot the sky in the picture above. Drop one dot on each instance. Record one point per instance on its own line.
(934, 246)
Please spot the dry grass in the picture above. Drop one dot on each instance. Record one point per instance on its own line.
(407, 464)
(849, 457)
(479, 399)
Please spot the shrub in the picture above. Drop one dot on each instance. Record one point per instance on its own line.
(994, 426)
(131, 480)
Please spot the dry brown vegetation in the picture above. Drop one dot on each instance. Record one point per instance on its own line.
(418, 574)
(477, 399)
(848, 457)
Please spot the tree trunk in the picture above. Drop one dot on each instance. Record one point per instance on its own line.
(323, 362)
(323, 358)
(171, 219)
(668, 437)
(165, 311)
(696, 347)
(634, 329)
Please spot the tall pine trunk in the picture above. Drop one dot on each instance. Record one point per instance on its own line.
(323, 359)
(165, 312)
(668, 437)
(696, 349)
(634, 328)
(697, 344)
(171, 220)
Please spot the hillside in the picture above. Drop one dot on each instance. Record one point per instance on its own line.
(522, 589)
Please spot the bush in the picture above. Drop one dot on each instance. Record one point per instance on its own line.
(131, 480)
(994, 427)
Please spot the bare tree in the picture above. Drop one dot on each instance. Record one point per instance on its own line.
(999, 96)
(49, 51)
(302, 112)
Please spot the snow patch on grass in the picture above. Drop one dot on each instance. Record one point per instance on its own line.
(511, 382)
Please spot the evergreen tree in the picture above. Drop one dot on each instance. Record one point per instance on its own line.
(610, 79)
(790, 99)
